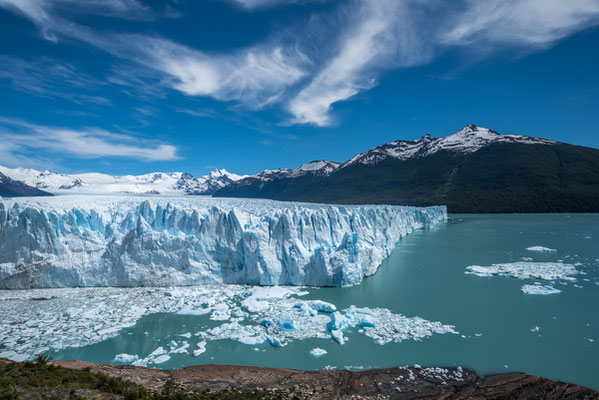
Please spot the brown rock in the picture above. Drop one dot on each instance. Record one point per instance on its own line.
(336, 384)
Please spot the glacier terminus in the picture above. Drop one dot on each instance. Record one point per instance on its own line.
(71, 241)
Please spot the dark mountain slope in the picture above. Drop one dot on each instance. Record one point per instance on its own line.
(12, 188)
(500, 177)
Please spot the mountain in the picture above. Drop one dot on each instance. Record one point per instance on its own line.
(174, 183)
(473, 170)
(12, 188)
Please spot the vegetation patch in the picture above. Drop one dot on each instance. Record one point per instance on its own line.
(43, 380)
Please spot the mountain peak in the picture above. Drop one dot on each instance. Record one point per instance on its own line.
(467, 140)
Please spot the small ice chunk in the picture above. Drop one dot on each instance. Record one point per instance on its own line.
(318, 352)
(72, 312)
(337, 334)
(540, 290)
(201, 348)
(126, 358)
(186, 310)
(159, 351)
(221, 313)
(274, 341)
(286, 323)
(180, 350)
(541, 249)
(338, 321)
(252, 340)
(321, 306)
(161, 359)
(548, 271)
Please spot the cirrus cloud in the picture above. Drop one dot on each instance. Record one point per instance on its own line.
(23, 138)
(308, 67)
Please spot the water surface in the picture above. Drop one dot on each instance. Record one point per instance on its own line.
(425, 277)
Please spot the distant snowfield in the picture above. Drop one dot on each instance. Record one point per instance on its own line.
(78, 240)
(155, 183)
(42, 320)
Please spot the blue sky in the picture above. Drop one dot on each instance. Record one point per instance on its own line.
(132, 86)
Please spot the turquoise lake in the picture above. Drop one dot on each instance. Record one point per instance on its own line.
(501, 329)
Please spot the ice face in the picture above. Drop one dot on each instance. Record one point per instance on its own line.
(78, 241)
(36, 321)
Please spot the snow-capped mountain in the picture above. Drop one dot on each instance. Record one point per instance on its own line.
(207, 184)
(314, 168)
(13, 188)
(174, 183)
(467, 140)
(473, 170)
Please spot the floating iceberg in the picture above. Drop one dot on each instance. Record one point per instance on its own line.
(548, 271)
(70, 241)
(541, 249)
(125, 358)
(540, 289)
(318, 352)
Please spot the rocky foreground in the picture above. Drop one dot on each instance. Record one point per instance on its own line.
(389, 383)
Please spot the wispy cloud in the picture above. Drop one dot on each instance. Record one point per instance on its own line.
(308, 67)
(252, 76)
(384, 34)
(521, 22)
(254, 4)
(380, 37)
(23, 138)
(46, 77)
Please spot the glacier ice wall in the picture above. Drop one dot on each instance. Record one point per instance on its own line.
(73, 241)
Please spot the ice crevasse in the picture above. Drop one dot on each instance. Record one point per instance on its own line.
(69, 241)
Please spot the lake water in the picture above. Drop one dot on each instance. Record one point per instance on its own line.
(501, 329)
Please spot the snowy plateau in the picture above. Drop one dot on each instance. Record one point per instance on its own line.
(78, 240)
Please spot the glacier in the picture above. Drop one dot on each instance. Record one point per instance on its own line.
(80, 241)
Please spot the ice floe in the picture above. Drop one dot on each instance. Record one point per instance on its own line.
(201, 348)
(44, 320)
(540, 289)
(126, 358)
(318, 352)
(548, 271)
(541, 249)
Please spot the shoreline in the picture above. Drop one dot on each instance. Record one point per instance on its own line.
(386, 383)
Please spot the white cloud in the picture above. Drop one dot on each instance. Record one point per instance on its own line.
(22, 138)
(252, 75)
(253, 4)
(331, 57)
(521, 22)
(386, 34)
(379, 37)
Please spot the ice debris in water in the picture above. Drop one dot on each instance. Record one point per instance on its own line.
(70, 241)
(126, 358)
(43, 320)
(541, 249)
(201, 348)
(540, 289)
(318, 352)
(548, 271)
